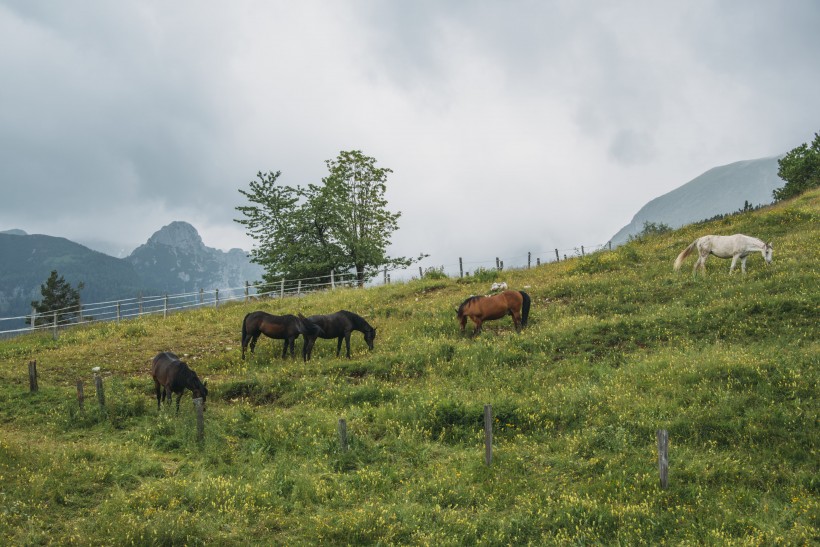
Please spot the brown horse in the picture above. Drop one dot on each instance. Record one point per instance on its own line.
(484, 308)
(279, 327)
(173, 376)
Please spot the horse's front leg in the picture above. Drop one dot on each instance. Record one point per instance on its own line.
(734, 262)
(743, 265)
(347, 344)
(285, 348)
(463, 321)
(339, 345)
(179, 396)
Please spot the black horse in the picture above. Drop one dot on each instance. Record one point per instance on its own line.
(173, 376)
(279, 327)
(338, 325)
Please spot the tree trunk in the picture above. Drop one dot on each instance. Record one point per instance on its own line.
(360, 274)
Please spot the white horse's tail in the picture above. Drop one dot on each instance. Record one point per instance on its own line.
(686, 252)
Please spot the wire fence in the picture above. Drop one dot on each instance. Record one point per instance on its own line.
(128, 308)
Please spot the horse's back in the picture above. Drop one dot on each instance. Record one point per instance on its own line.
(165, 365)
(333, 325)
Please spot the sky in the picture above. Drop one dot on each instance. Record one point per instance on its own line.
(510, 126)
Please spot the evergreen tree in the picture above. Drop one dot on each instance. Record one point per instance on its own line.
(58, 296)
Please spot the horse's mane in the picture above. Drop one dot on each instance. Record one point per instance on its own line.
(468, 301)
(357, 320)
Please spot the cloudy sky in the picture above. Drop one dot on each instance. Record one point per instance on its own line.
(510, 125)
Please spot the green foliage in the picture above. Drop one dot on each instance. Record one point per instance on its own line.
(618, 346)
(650, 229)
(58, 297)
(800, 168)
(342, 224)
(434, 273)
(483, 275)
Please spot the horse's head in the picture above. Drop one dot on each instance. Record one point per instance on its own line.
(768, 250)
(369, 336)
(198, 389)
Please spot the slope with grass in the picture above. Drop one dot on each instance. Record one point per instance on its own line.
(618, 346)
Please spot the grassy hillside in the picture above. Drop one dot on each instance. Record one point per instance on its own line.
(618, 346)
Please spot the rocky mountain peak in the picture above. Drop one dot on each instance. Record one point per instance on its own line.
(178, 234)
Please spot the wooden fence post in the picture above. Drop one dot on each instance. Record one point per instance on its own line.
(80, 311)
(557, 258)
(502, 266)
(529, 260)
(80, 394)
(582, 250)
(140, 302)
(165, 307)
(200, 419)
(32, 377)
(460, 267)
(610, 244)
(282, 289)
(421, 273)
(118, 312)
(201, 296)
(98, 383)
(332, 280)
(488, 434)
(216, 298)
(247, 288)
(54, 332)
(538, 261)
(33, 317)
(497, 264)
(342, 428)
(385, 275)
(663, 457)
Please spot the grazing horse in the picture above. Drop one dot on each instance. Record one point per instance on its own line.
(735, 246)
(338, 325)
(483, 308)
(279, 327)
(173, 376)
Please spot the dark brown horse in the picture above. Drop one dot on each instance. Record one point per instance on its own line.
(338, 325)
(484, 308)
(279, 327)
(173, 376)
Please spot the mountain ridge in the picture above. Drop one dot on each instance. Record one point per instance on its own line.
(720, 190)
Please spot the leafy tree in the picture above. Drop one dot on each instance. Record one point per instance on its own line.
(58, 296)
(342, 224)
(800, 168)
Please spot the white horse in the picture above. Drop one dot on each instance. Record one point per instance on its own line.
(735, 246)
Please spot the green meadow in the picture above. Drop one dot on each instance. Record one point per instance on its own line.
(618, 346)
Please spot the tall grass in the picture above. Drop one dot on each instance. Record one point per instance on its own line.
(618, 346)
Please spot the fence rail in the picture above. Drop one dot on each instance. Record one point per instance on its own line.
(127, 308)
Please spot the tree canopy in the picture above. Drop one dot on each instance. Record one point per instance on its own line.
(342, 224)
(800, 168)
(58, 297)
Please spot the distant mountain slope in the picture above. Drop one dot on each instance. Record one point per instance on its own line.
(27, 261)
(718, 191)
(174, 260)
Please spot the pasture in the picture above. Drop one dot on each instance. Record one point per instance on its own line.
(618, 345)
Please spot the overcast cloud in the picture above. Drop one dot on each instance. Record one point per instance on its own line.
(510, 126)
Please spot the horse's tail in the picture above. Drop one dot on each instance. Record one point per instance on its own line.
(686, 252)
(244, 329)
(525, 308)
